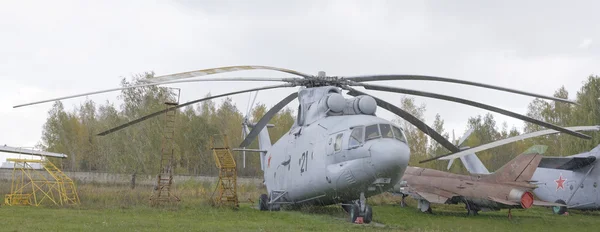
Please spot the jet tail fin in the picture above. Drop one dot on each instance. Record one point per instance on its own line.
(473, 164)
(521, 168)
(470, 161)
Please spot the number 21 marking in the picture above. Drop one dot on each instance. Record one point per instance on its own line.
(303, 162)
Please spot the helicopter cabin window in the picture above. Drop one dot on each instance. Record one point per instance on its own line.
(356, 137)
(372, 132)
(386, 130)
(398, 134)
(337, 146)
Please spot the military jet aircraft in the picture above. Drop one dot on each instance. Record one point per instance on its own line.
(571, 181)
(338, 150)
(507, 188)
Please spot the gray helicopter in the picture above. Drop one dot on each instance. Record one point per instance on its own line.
(571, 180)
(338, 151)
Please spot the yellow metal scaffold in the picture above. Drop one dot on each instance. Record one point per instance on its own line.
(227, 185)
(32, 186)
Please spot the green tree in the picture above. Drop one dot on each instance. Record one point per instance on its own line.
(435, 148)
(417, 140)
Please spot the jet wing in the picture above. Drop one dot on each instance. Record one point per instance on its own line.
(545, 203)
(433, 198)
(433, 195)
(566, 163)
(535, 202)
(502, 201)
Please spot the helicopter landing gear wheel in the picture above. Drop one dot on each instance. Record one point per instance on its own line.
(360, 211)
(359, 216)
(274, 197)
(368, 216)
(354, 212)
(263, 202)
(560, 210)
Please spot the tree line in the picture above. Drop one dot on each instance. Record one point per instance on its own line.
(136, 149)
(486, 129)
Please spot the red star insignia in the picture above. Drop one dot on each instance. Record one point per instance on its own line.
(560, 183)
(269, 162)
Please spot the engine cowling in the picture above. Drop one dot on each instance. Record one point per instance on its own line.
(336, 102)
(525, 198)
(363, 105)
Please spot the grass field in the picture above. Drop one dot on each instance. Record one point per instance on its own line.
(118, 208)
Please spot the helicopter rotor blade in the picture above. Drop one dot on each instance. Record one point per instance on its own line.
(410, 118)
(475, 104)
(186, 104)
(212, 71)
(266, 118)
(450, 80)
(159, 83)
(505, 141)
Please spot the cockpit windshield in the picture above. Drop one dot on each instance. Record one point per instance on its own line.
(386, 130)
(356, 137)
(398, 134)
(372, 132)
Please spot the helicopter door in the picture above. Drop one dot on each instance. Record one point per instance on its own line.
(282, 174)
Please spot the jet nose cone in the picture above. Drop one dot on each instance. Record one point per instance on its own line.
(389, 156)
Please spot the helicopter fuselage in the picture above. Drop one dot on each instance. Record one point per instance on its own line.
(333, 160)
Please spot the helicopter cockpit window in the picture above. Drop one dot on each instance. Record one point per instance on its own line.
(338, 142)
(398, 134)
(356, 137)
(386, 130)
(372, 132)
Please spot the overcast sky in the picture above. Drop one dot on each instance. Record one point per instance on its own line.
(56, 48)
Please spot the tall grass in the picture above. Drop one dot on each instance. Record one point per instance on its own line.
(107, 196)
(190, 193)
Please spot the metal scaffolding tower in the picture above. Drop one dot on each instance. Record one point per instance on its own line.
(227, 184)
(32, 186)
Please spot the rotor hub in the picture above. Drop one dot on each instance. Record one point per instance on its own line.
(321, 79)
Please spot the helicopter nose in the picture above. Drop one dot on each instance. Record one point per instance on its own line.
(389, 156)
